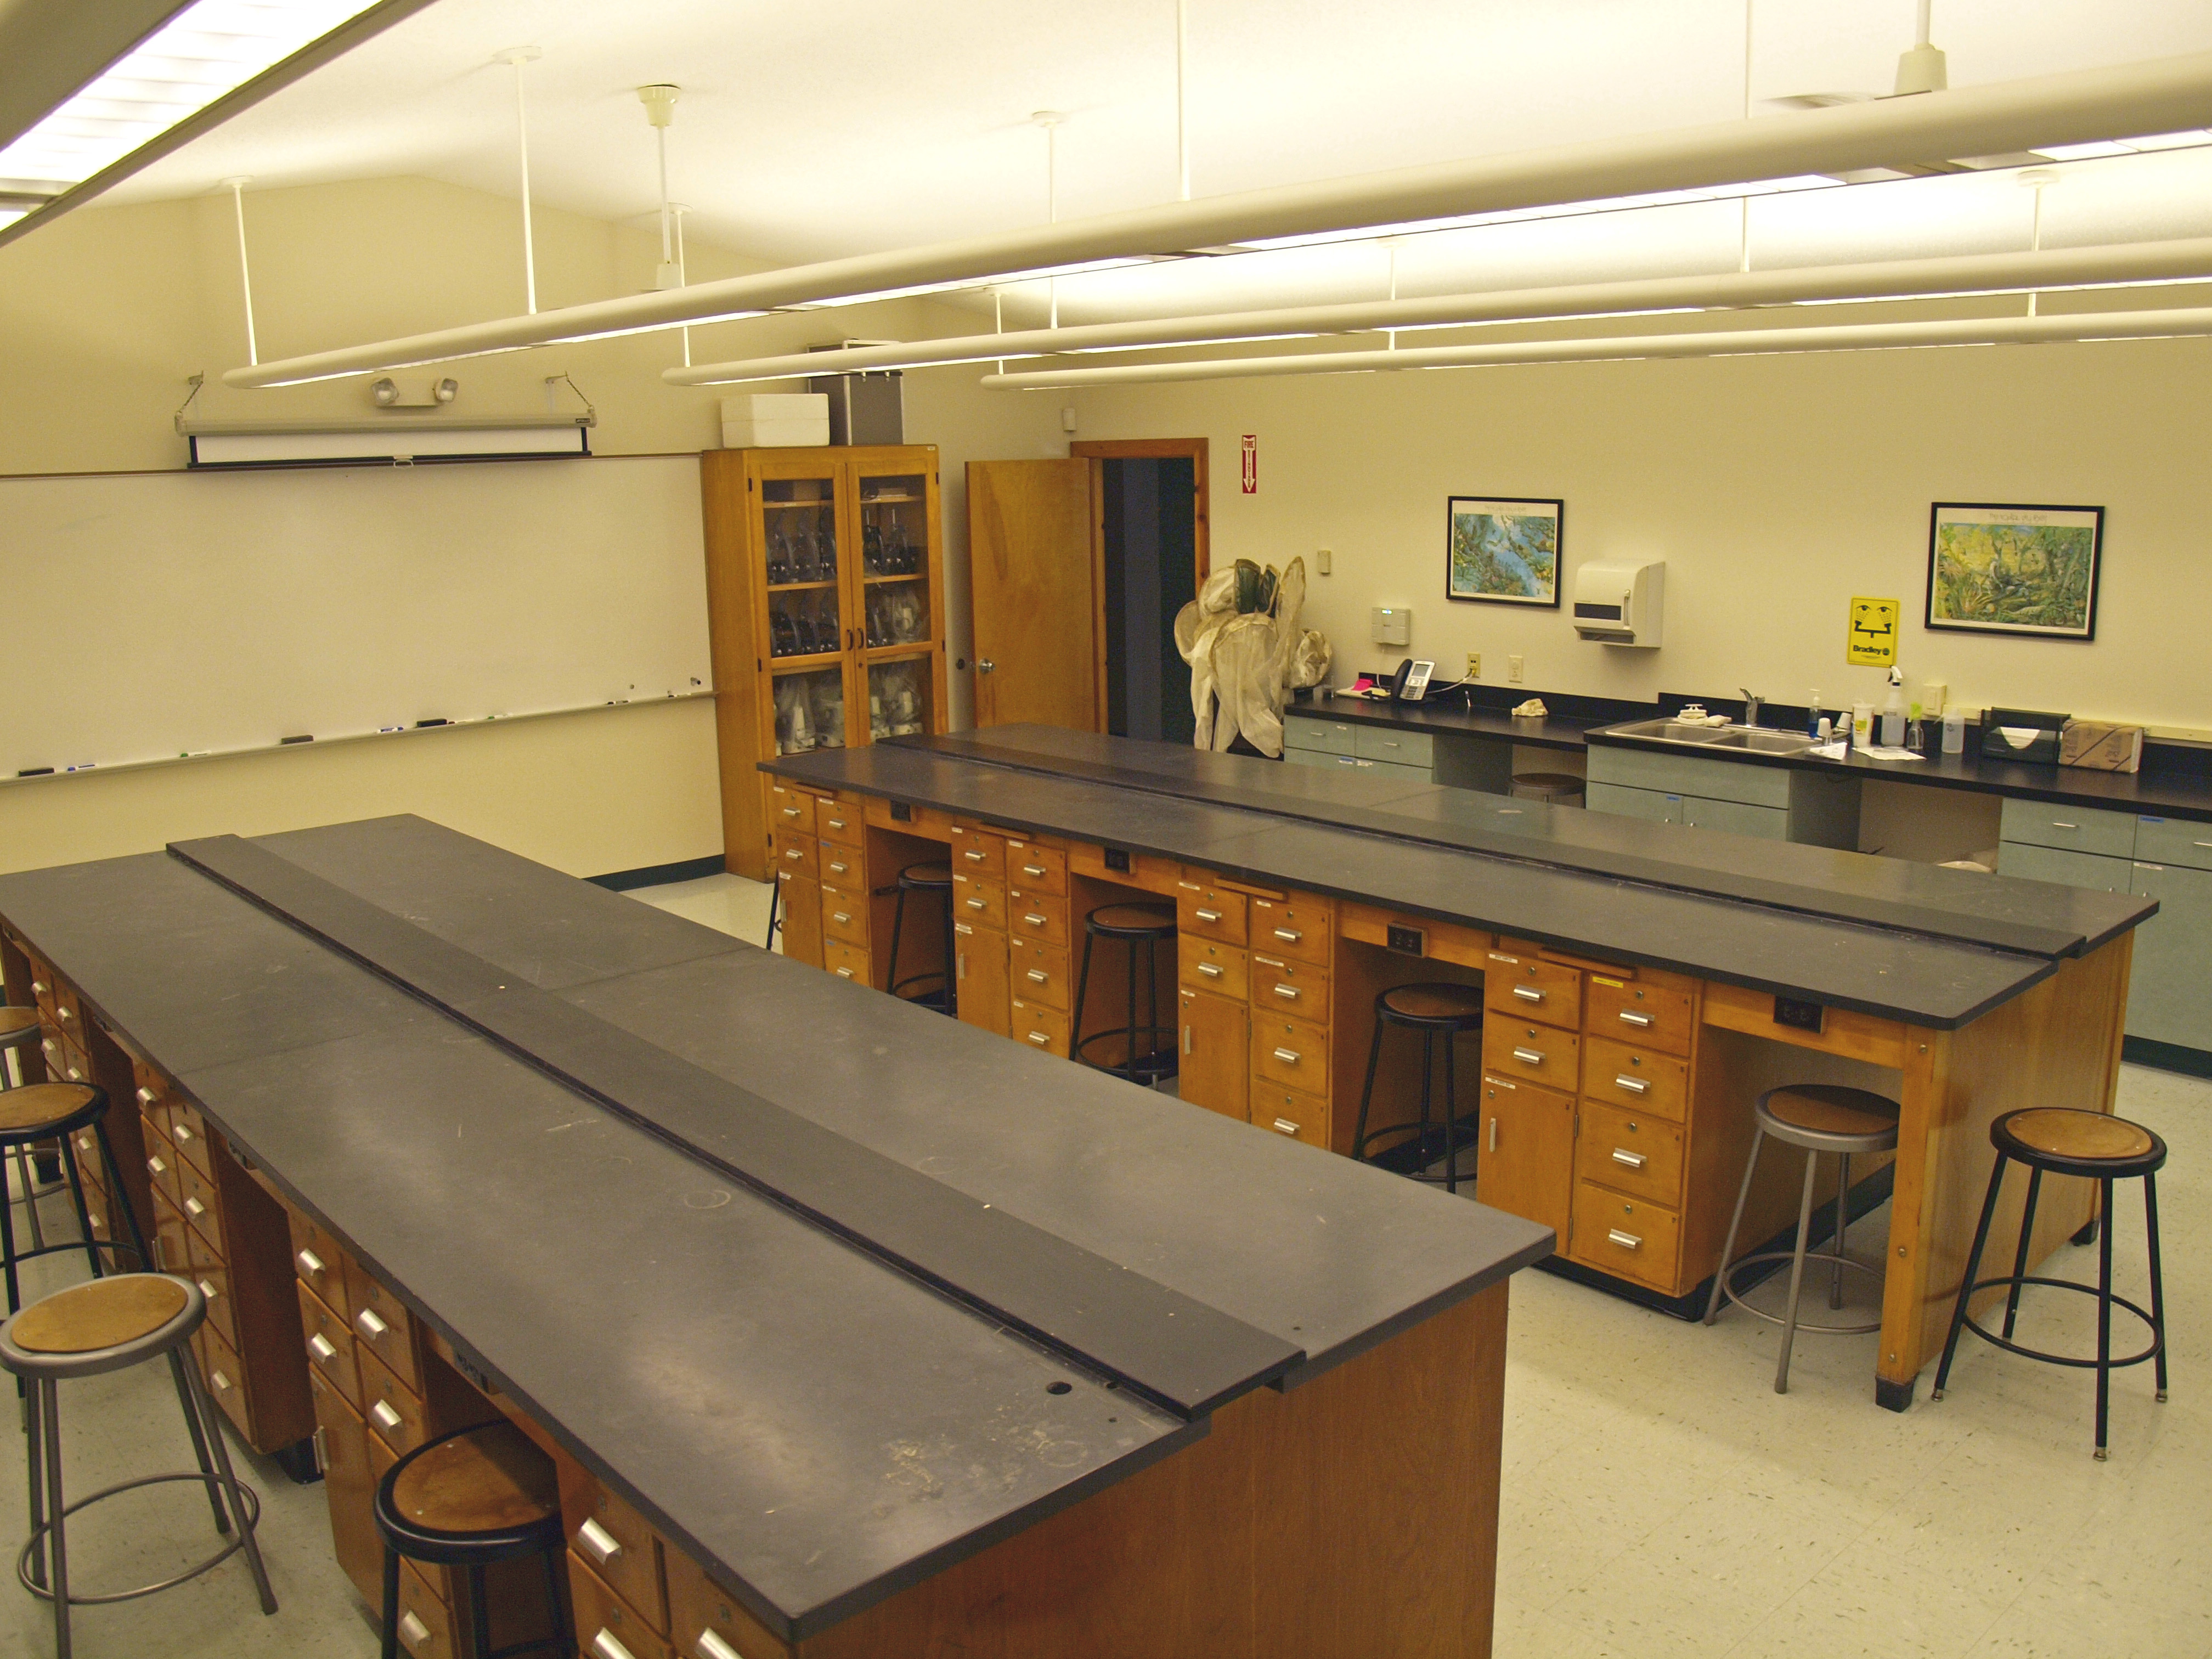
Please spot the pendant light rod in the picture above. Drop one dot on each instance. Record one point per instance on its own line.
(1759, 341)
(2166, 95)
(518, 57)
(237, 189)
(1183, 97)
(1961, 274)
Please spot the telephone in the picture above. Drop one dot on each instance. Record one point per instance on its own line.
(1411, 682)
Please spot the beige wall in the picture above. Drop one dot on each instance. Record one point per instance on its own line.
(106, 314)
(1776, 488)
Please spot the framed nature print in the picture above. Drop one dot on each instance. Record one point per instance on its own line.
(2001, 569)
(1503, 550)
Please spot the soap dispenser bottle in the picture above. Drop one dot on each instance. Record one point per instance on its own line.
(1893, 711)
(1813, 715)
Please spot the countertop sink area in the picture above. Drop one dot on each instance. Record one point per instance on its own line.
(1752, 740)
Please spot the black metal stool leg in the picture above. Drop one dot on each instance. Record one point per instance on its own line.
(2157, 1281)
(8, 1257)
(951, 974)
(1451, 1117)
(1081, 987)
(145, 1257)
(2104, 1317)
(479, 1612)
(390, 1648)
(2020, 1255)
(898, 925)
(1366, 1095)
(199, 1440)
(1129, 970)
(557, 1605)
(1966, 1285)
(775, 898)
(76, 1197)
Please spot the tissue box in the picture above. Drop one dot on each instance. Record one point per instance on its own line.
(2022, 735)
(776, 419)
(2101, 746)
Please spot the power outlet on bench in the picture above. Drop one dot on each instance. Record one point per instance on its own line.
(1117, 857)
(1804, 1016)
(1406, 941)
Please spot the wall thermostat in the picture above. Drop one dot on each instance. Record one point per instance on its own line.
(1394, 625)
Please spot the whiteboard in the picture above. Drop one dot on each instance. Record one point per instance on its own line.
(153, 615)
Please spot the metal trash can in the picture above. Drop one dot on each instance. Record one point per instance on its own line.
(1554, 789)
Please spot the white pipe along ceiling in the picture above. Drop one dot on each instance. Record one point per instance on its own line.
(2124, 102)
(1967, 274)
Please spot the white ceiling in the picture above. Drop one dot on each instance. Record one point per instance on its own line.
(845, 125)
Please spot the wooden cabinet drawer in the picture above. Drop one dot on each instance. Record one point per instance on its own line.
(977, 853)
(1843, 1031)
(1528, 987)
(226, 1378)
(1204, 965)
(162, 1161)
(427, 1627)
(844, 915)
(907, 819)
(1290, 1052)
(1650, 1015)
(1631, 1238)
(1632, 1151)
(1034, 914)
(847, 960)
(1415, 936)
(383, 1324)
(1123, 867)
(605, 1627)
(1614, 1071)
(89, 1162)
(842, 821)
(214, 1280)
(1032, 865)
(188, 1134)
(1291, 1112)
(614, 1542)
(330, 1346)
(1038, 972)
(1295, 926)
(1041, 1025)
(842, 867)
(1290, 986)
(790, 809)
(1209, 910)
(318, 1262)
(978, 901)
(797, 855)
(394, 1411)
(196, 1197)
(1534, 1053)
(152, 1089)
(699, 1607)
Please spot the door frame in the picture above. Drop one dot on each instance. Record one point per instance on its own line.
(1102, 450)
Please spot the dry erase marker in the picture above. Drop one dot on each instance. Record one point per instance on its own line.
(303, 737)
(84, 766)
(390, 728)
(36, 772)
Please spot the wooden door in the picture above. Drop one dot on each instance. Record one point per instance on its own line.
(799, 916)
(350, 1487)
(979, 972)
(1527, 1157)
(1031, 593)
(1214, 1069)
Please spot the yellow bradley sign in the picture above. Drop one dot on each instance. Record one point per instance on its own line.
(1870, 641)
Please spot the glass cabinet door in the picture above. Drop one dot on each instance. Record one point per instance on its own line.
(896, 561)
(810, 709)
(799, 543)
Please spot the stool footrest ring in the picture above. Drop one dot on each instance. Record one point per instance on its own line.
(2157, 1337)
(241, 1493)
(1729, 1290)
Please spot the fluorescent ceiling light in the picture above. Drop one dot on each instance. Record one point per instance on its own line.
(383, 440)
(2194, 139)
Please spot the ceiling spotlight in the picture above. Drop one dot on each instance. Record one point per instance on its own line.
(446, 390)
(385, 392)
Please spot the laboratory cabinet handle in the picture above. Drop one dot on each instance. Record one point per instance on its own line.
(835, 824)
(1033, 919)
(985, 665)
(979, 904)
(839, 869)
(794, 853)
(841, 916)
(973, 856)
(181, 1132)
(1186, 1039)
(369, 1325)
(1289, 935)
(1033, 870)
(2056, 824)
(221, 1383)
(1528, 1056)
(791, 812)
(319, 1346)
(157, 1166)
(602, 1545)
(413, 1631)
(1630, 1016)
(382, 1412)
(1288, 1056)
(1493, 1135)
(959, 964)
(63, 1013)
(844, 972)
(711, 1646)
(1211, 969)
(312, 1263)
(1288, 992)
(208, 1290)
(1207, 915)
(196, 1208)
(2201, 844)
(1038, 977)
(1039, 1039)
(1286, 1126)
(1626, 1241)
(1622, 1156)
(1528, 993)
(1635, 1085)
(146, 1095)
(39, 987)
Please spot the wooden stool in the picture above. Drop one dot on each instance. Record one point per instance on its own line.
(1140, 928)
(1559, 788)
(19, 1034)
(1821, 1117)
(2100, 1147)
(46, 1111)
(1440, 1009)
(90, 1330)
(472, 1499)
(933, 878)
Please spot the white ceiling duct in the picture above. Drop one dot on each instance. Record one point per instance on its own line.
(2085, 106)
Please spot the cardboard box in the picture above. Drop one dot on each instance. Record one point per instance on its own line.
(776, 419)
(2101, 746)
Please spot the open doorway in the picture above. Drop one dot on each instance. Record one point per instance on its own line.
(1151, 503)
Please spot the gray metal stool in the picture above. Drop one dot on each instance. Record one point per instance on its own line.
(88, 1330)
(1820, 1117)
(1559, 788)
(19, 1034)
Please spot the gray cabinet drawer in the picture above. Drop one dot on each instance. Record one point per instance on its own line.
(2174, 841)
(1672, 774)
(2082, 829)
(1324, 736)
(1735, 818)
(2170, 985)
(2069, 869)
(1383, 743)
(1631, 803)
(1365, 768)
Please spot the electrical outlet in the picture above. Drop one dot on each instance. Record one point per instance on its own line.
(1474, 665)
(1513, 669)
(1321, 561)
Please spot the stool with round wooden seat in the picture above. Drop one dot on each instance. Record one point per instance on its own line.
(1820, 1117)
(1148, 1055)
(41, 1112)
(934, 881)
(471, 1499)
(2096, 1147)
(1440, 1009)
(1559, 788)
(107, 1325)
(19, 1034)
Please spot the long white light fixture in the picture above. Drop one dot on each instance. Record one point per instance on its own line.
(1978, 273)
(2175, 324)
(2083, 105)
(209, 59)
(217, 444)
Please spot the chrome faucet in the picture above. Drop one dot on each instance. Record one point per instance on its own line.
(1752, 704)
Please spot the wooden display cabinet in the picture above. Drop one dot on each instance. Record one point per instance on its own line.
(825, 593)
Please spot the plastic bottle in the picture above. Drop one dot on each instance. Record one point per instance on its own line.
(1893, 711)
(1813, 716)
(1862, 725)
(1954, 731)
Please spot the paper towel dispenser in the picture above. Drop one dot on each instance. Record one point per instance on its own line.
(1617, 601)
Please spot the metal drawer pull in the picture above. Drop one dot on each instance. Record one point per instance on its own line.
(979, 904)
(1493, 1135)
(1635, 1085)
(1038, 977)
(2054, 824)
(791, 812)
(39, 987)
(369, 1325)
(1623, 1156)
(1211, 969)
(1289, 935)
(2201, 844)
(319, 1346)
(840, 869)
(196, 1208)
(413, 1631)
(1286, 1125)
(382, 1412)
(1033, 870)
(794, 852)
(146, 1095)
(835, 824)
(1207, 915)
(841, 916)
(1288, 992)
(606, 1647)
(99, 1225)
(1034, 920)
(1039, 1039)
(1528, 1056)
(602, 1545)
(1528, 993)
(844, 972)
(181, 1132)
(50, 1045)
(973, 856)
(157, 1166)
(1630, 1016)
(1288, 1056)
(63, 1013)
(711, 1646)
(1186, 1039)
(208, 1290)
(311, 1263)
(222, 1383)
(1626, 1241)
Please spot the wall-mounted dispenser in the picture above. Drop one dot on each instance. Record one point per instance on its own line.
(1394, 625)
(1617, 601)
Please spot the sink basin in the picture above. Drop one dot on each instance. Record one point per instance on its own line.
(1671, 732)
(1750, 739)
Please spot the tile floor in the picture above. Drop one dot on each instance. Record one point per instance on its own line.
(1659, 1497)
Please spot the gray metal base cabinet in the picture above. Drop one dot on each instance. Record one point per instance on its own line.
(1738, 797)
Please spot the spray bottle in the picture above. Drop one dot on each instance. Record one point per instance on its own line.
(1893, 711)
